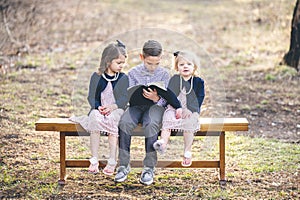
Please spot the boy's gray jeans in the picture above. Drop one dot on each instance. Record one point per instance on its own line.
(151, 118)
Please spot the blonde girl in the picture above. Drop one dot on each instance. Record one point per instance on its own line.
(189, 90)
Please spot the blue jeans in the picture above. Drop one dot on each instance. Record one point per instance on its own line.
(151, 118)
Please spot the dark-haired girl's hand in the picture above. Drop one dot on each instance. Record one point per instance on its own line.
(106, 110)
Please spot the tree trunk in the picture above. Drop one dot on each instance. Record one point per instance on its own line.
(291, 58)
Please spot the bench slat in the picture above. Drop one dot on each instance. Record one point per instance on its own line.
(207, 124)
(80, 163)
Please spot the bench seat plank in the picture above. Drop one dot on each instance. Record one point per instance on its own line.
(207, 124)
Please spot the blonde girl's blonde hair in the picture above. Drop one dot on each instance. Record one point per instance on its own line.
(187, 55)
(111, 52)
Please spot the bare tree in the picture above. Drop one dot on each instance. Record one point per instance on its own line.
(16, 19)
(291, 58)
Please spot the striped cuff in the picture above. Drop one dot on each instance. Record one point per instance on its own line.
(161, 102)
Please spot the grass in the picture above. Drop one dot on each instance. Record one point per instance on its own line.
(270, 77)
(263, 155)
(246, 158)
(252, 165)
(285, 71)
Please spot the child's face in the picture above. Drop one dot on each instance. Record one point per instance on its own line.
(185, 67)
(151, 62)
(116, 65)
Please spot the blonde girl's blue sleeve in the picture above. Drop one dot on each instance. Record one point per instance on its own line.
(195, 102)
(201, 91)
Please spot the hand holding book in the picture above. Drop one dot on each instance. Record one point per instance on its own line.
(151, 94)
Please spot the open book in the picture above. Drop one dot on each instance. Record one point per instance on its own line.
(154, 85)
(136, 92)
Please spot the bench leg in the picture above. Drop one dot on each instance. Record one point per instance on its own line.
(222, 157)
(62, 176)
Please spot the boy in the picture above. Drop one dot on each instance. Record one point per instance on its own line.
(149, 112)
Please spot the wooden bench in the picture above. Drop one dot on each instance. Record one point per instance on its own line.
(209, 127)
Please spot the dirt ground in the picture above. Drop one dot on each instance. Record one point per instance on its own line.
(45, 44)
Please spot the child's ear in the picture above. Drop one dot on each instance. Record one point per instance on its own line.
(142, 57)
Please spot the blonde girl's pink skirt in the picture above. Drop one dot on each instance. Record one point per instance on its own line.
(190, 124)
